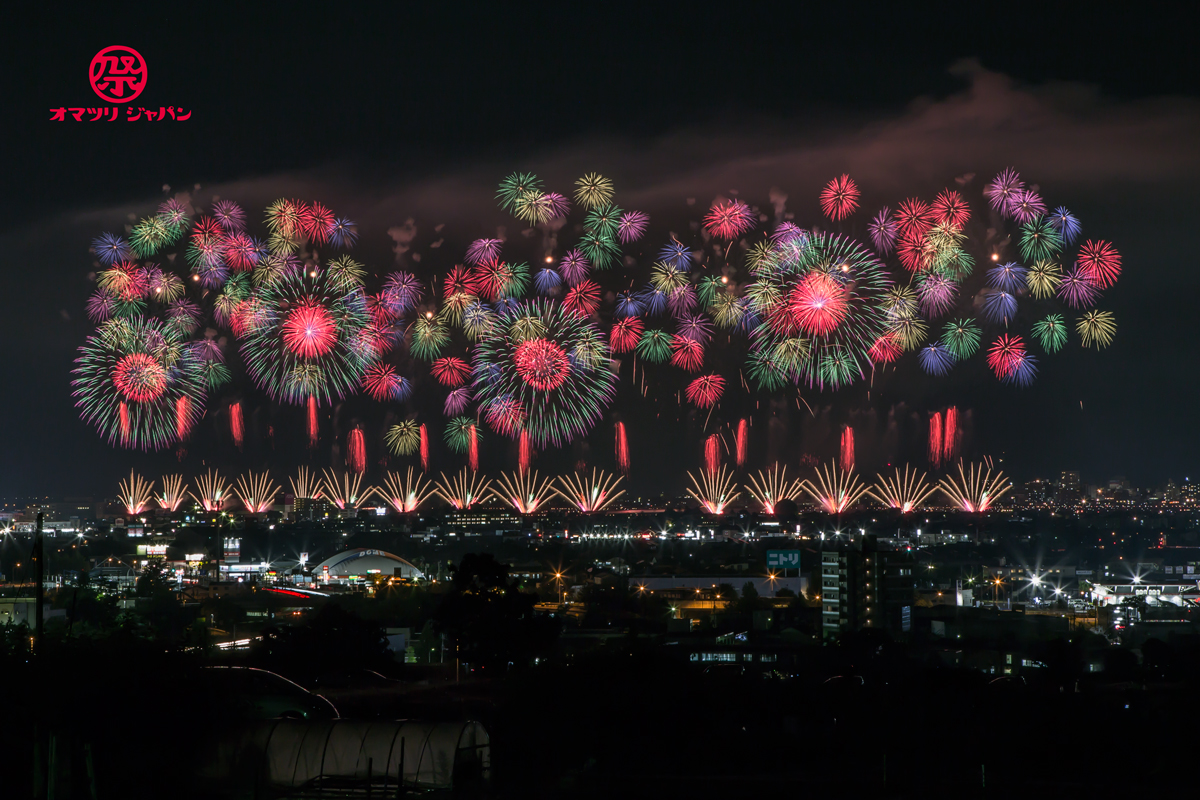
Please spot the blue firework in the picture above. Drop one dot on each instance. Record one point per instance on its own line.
(936, 359)
(1024, 372)
(1008, 277)
(111, 248)
(676, 254)
(999, 307)
(547, 280)
(1066, 223)
(628, 305)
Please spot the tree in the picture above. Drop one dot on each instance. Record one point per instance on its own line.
(490, 620)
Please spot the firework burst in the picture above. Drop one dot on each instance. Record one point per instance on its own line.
(713, 490)
(405, 496)
(975, 488)
(257, 492)
(523, 490)
(904, 492)
(589, 495)
(835, 490)
(769, 487)
(463, 490)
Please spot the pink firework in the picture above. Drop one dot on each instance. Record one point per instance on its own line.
(542, 364)
(621, 447)
(506, 415)
(237, 426)
(583, 299)
(840, 198)
(951, 209)
(818, 304)
(847, 455)
(682, 300)
(457, 401)
(625, 334)
(574, 267)
(556, 205)
(356, 451)
(728, 219)
(309, 330)
(712, 453)
(914, 216)
(883, 231)
(1026, 205)
(743, 430)
(631, 226)
(451, 371)
(1005, 355)
(1077, 288)
(705, 391)
(936, 451)
(482, 250)
(686, 353)
(1101, 262)
(1001, 190)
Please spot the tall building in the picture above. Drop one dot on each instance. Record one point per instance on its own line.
(866, 586)
(1069, 481)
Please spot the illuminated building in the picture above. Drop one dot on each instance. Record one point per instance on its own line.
(864, 586)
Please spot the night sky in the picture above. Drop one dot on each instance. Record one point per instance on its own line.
(417, 114)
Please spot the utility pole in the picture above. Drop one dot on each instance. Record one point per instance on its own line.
(40, 588)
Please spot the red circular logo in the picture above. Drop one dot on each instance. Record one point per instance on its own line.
(118, 73)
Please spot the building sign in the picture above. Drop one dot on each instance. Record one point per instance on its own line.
(788, 559)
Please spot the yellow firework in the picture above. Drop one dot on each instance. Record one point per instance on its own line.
(523, 490)
(714, 490)
(135, 494)
(463, 490)
(590, 494)
(406, 495)
(904, 491)
(834, 489)
(768, 487)
(975, 488)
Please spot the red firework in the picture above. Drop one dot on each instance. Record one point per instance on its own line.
(950, 208)
(847, 455)
(356, 451)
(240, 252)
(183, 414)
(316, 221)
(705, 391)
(625, 334)
(493, 278)
(451, 371)
(914, 216)
(910, 249)
(309, 330)
(460, 280)
(312, 421)
(818, 304)
(424, 449)
(686, 353)
(622, 449)
(237, 426)
(381, 382)
(729, 219)
(936, 448)
(1101, 262)
(542, 364)
(840, 198)
(712, 453)
(743, 432)
(125, 427)
(128, 281)
(1005, 355)
(525, 452)
(951, 435)
(583, 299)
(885, 350)
(473, 450)
(139, 377)
(505, 415)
